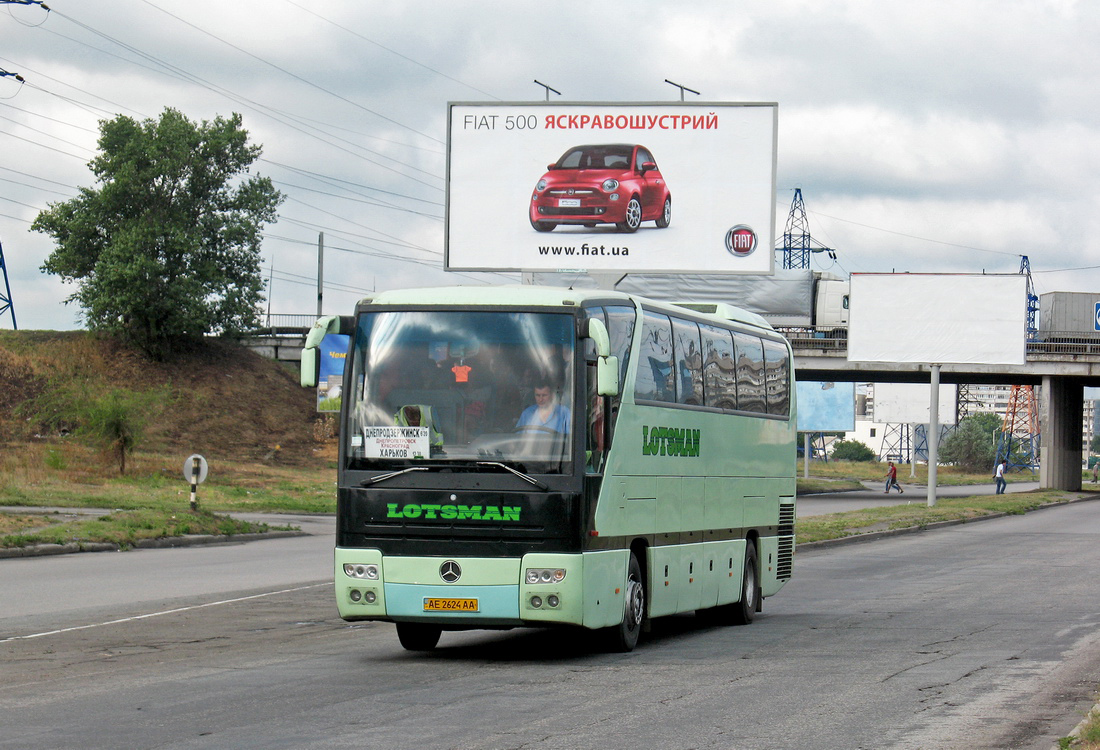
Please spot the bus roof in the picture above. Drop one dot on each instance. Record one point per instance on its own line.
(528, 295)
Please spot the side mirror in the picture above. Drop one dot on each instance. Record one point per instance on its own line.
(607, 376)
(309, 365)
(595, 329)
(648, 166)
(607, 366)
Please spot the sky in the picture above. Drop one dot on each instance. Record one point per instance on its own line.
(940, 137)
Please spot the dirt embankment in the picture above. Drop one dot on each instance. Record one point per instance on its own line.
(222, 399)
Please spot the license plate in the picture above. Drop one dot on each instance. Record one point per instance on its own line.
(569, 203)
(450, 605)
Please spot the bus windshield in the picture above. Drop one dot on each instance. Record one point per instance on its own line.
(461, 386)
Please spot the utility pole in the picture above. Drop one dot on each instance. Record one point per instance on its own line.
(797, 242)
(320, 270)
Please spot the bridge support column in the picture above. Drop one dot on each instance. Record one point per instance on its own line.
(1060, 442)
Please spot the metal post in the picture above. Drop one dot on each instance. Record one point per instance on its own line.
(195, 483)
(933, 434)
(6, 305)
(805, 455)
(320, 270)
(912, 453)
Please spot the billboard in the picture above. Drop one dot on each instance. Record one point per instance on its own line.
(938, 318)
(330, 376)
(826, 406)
(909, 402)
(611, 187)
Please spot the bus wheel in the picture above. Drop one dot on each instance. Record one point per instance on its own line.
(624, 636)
(742, 612)
(415, 636)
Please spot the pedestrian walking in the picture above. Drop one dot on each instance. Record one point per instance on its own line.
(892, 479)
(999, 476)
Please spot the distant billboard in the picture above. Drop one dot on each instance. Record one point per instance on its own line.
(908, 403)
(938, 318)
(826, 406)
(330, 377)
(611, 187)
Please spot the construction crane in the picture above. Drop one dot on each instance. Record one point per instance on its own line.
(797, 244)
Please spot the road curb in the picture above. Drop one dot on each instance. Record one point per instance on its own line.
(191, 540)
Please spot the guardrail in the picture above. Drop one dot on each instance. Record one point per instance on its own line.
(284, 325)
(1065, 342)
(831, 340)
(1048, 343)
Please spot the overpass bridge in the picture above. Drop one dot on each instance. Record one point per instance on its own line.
(1063, 365)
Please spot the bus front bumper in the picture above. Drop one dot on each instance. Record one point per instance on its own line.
(460, 592)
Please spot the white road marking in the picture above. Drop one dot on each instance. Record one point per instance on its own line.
(158, 614)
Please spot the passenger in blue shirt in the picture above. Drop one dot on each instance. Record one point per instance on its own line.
(545, 413)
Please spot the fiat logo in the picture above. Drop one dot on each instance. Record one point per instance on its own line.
(741, 241)
(450, 571)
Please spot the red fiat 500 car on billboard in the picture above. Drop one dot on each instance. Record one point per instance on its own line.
(602, 184)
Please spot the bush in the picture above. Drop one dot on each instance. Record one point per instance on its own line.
(852, 450)
(973, 444)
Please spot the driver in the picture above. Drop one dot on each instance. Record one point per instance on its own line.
(546, 412)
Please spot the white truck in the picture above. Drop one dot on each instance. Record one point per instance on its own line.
(790, 298)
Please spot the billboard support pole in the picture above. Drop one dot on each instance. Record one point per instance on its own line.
(320, 270)
(933, 434)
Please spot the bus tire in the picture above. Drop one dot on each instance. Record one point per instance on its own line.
(624, 636)
(743, 612)
(416, 636)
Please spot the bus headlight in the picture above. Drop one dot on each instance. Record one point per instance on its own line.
(544, 575)
(358, 570)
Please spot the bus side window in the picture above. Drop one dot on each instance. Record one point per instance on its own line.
(594, 434)
(620, 328)
(777, 378)
(689, 362)
(656, 377)
(719, 370)
(750, 373)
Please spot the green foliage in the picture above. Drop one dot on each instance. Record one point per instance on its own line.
(852, 450)
(113, 419)
(125, 528)
(973, 445)
(166, 247)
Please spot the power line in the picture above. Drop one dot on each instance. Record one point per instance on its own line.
(916, 237)
(291, 74)
(392, 51)
(366, 201)
(278, 116)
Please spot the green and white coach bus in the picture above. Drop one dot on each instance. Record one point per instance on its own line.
(535, 456)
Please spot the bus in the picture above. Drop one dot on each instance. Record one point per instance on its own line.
(526, 456)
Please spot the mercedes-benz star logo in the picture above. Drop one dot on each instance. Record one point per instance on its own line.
(450, 571)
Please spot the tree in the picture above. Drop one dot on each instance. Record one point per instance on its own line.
(113, 419)
(166, 247)
(973, 444)
(852, 450)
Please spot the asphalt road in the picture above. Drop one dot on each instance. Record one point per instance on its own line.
(985, 635)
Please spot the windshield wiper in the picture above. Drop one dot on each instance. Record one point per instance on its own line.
(517, 472)
(391, 475)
